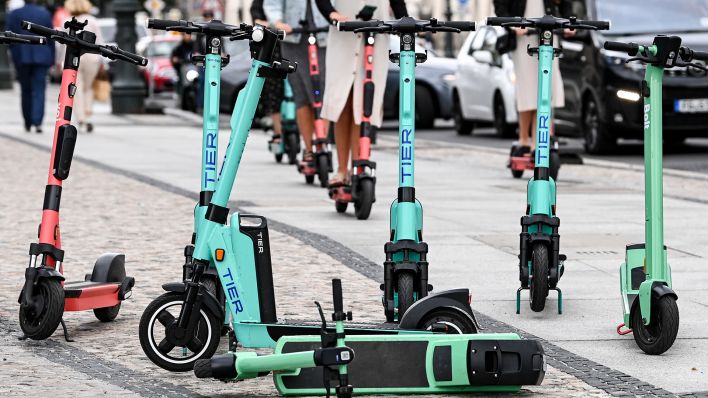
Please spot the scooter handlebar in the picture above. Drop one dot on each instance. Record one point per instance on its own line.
(350, 26)
(463, 26)
(40, 29)
(499, 21)
(164, 24)
(629, 48)
(689, 55)
(598, 25)
(10, 37)
(114, 52)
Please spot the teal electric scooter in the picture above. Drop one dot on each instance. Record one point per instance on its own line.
(332, 357)
(188, 315)
(406, 265)
(648, 300)
(290, 135)
(388, 364)
(540, 263)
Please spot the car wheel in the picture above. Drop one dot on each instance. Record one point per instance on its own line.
(504, 129)
(598, 138)
(462, 125)
(424, 108)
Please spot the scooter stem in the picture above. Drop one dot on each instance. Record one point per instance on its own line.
(654, 192)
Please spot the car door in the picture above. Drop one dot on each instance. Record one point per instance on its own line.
(474, 73)
(491, 73)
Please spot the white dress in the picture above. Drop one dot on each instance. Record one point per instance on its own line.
(345, 51)
(526, 68)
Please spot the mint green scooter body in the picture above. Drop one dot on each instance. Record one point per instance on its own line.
(434, 364)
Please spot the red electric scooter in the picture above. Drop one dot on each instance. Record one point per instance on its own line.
(362, 191)
(519, 161)
(321, 164)
(45, 296)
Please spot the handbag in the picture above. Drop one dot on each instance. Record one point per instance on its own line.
(101, 86)
(506, 42)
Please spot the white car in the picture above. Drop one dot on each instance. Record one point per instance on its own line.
(483, 91)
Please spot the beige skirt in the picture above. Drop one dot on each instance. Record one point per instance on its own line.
(345, 52)
(526, 70)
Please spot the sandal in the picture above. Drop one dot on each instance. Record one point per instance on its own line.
(275, 139)
(337, 181)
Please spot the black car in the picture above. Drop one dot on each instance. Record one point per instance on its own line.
(602, 101)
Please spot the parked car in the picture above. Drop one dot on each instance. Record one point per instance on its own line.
(159, 71)
(433, 86)
(602, 96)
(483, 91)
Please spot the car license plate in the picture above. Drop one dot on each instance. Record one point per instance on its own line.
(698, 105)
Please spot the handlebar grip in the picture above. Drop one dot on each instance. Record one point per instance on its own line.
(337, 295)
(463, 26)
(351, 26)
(27, 39)
(599, 25)
(162, 24)
(130, 57)
(700, 56)
(629, 48)
(40, 29)
(499, 21)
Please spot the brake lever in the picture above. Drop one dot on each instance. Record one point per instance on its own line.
(322, 317)
(692, 65)
(240, 36)
(642, 59)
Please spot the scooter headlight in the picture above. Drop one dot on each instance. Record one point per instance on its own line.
(192, 75)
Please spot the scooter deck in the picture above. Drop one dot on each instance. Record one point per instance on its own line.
(418, 364)
(86, 295)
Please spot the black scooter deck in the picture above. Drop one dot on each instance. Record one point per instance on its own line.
(423, 364)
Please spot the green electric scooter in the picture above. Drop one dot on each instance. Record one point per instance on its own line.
(540, 263)
(389, 364)
(188, 315)
(290, 135)
(406, 265)
(648, 300)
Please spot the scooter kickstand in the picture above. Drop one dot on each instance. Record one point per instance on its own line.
(560, 300)
(66, 332)
(518, 300)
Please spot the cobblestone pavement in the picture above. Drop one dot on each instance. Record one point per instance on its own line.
(103, 212)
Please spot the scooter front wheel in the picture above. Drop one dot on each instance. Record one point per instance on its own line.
(404, 288)
(659, 335)
(41, 318)
(555, 164)
(539, 277)
(292, 147)
(365, 199)
(278, 157)
(157, 345)
(323, 170)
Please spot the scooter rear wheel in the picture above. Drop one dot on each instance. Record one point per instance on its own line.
(341, 207)
(454, 321)
(539, 277)
(40, 321)
(278, 157)
(107, 314)
(555, 164)
(517, 173)
(365, 199)
(659, 335)
(404, 288)
(158, 316)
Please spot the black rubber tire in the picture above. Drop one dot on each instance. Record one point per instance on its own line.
(322, 166)
(503, 129)
(598, 137)
(202, 369)
(292, 147)
(341, 206)
(457, 322)
(278, 157)
(365, 199)
(462, 126)
(555, 164)
(107, 314)
(657, 337)
(405, 289)
(517, 173)
(210, 334)
(539, 278)
(41, 326)
(424, 108)
(310, 179)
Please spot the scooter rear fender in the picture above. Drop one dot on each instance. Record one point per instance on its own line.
(455, 300)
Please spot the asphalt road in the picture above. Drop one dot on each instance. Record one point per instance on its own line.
(692, 156)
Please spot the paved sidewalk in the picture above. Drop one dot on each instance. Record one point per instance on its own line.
(102, 211)
(477, 220)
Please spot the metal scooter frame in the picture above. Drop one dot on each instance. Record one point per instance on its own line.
(107, 286)
(539, 227)
(645, 276)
